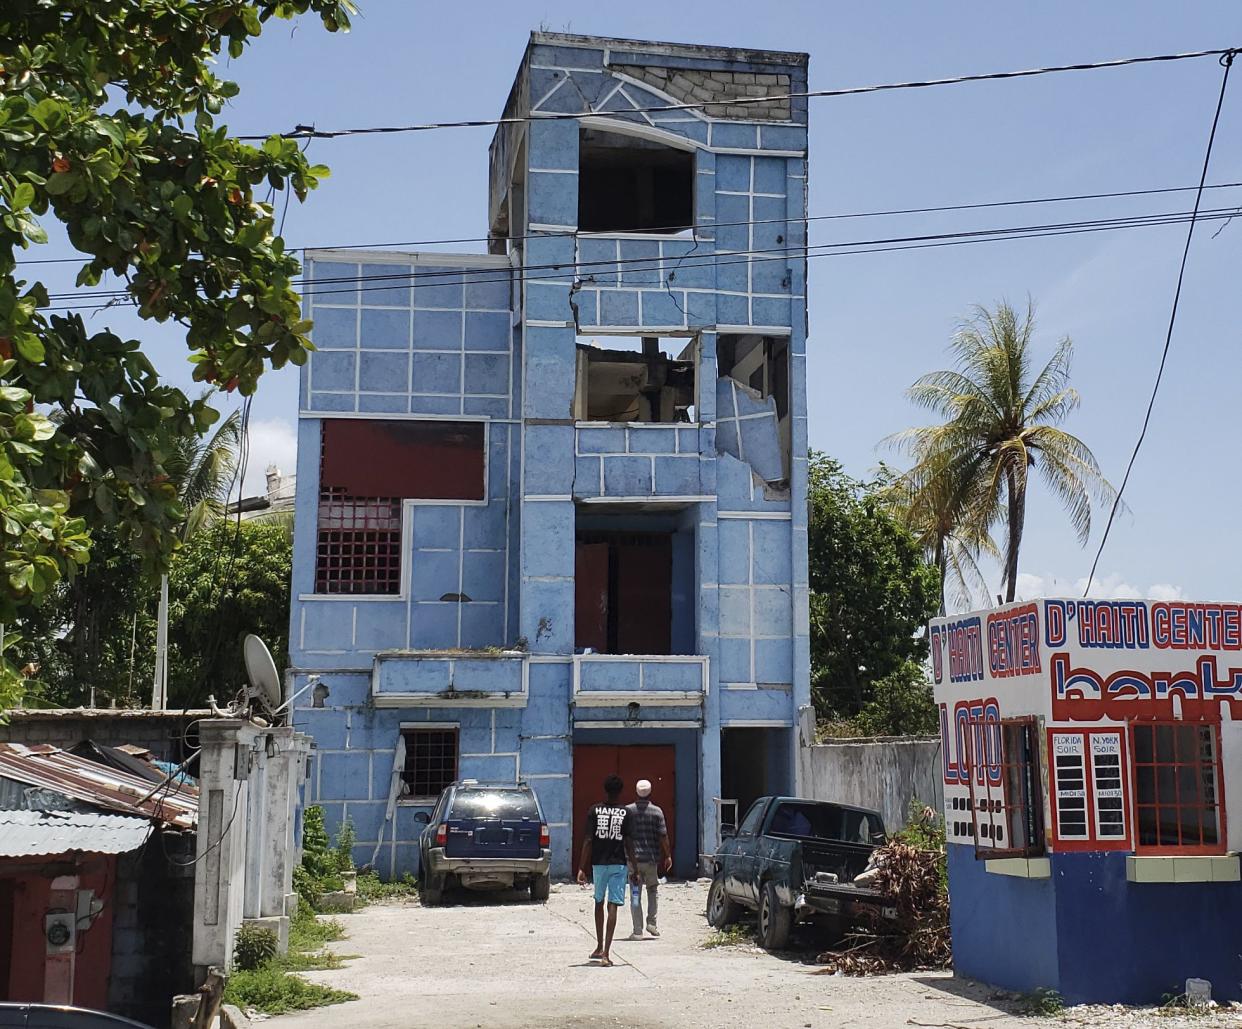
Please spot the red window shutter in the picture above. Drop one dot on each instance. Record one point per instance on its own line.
(411, 460)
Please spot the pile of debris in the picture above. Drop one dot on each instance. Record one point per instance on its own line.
(918, 938)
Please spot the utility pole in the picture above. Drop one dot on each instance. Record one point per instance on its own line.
(159, 685)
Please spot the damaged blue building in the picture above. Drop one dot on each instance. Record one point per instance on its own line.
(552, 510)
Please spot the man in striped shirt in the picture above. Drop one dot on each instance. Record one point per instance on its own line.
(651, 856)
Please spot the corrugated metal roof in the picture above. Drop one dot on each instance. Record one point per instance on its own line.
(107, 714)
(57, 770)
(45, 833)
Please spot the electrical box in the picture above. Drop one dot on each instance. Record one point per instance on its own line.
(60, 931)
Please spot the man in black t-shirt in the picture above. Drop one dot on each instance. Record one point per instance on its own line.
(608, 848)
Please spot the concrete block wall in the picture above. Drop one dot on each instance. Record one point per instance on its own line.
(151, 929)
(164, 733)
(888, 775)
(356, 742)
(438, 344)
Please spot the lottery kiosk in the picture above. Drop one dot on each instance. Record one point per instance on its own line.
(1090, 751)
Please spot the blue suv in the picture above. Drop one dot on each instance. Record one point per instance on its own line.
(484, 836)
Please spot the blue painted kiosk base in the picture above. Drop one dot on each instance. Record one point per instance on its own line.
(1090, 934)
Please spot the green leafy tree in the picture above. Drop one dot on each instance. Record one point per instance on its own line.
(871, 592)
(1002, 418)
(81, 640)
(901, 704)
(98, 631)
(108, 126)
(226, 581)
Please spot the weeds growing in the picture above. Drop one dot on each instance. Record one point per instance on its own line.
(1044, 1001)
(737, 935)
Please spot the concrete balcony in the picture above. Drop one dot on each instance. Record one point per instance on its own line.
(616, 680)
(426, 678)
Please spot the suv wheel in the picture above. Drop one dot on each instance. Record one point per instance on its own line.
(540, 887)
(722, 910)
(775, 920)
(431, 890)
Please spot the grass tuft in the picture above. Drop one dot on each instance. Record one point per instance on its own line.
(274, 991)
(739, 934)
(1042, 1002)
(372, 890)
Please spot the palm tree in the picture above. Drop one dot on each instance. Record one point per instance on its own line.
(929, 502)
(203, 470)
(1000, 421)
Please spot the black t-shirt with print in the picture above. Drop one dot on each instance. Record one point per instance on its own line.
(610, 825)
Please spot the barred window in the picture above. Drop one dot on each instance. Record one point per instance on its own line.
(1177, 787)
(367, 467)
(430, 761)
(359, 545)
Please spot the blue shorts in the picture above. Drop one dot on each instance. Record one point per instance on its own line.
(610, 880)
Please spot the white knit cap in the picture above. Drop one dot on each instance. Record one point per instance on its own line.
(643, 788)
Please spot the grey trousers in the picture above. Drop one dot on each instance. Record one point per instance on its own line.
(648, 876)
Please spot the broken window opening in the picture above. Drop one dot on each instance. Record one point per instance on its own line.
(430, 762)
(759, 365)
(367, 467)
(1177, 793)
(754, 763)
(636, 379)
(630, 184)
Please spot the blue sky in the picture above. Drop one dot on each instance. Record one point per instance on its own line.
(877, 321)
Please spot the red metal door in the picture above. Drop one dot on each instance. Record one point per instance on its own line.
(591, 596)
(594, 762)
(645, 596)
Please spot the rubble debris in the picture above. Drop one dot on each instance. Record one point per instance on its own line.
(918, 938)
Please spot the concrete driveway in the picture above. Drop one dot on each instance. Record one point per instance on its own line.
(486, 962)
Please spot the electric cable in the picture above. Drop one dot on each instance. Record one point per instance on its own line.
(310, 132)
(562, 269)
(1226, 61)
(669, 229)
(211, 846)
(448, 275)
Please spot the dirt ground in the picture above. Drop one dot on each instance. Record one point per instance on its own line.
(487, 962)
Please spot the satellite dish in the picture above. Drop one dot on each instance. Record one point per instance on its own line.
(261, 670)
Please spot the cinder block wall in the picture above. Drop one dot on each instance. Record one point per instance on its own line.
(163, 732)
(151, 928)
(887, 775)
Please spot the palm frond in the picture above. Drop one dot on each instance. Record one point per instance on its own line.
(203, 469)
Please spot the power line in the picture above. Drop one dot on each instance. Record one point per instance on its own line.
(958, 242)
(943, 208)
(1069, 229)
(1227, 61)
(444, 276)
(310, 132)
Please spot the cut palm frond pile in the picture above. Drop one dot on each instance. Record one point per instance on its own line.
(913, 880)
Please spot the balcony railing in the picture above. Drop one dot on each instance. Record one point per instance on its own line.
(616, 680)
(424, 678)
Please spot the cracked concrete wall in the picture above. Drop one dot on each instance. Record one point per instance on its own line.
(747, 428)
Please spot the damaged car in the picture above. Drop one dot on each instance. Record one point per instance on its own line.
(793, 860)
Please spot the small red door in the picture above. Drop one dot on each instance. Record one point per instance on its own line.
(595, 762)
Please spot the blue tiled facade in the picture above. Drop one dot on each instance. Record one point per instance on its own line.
(481, 635)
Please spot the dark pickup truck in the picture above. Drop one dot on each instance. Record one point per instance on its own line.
(792, 860)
